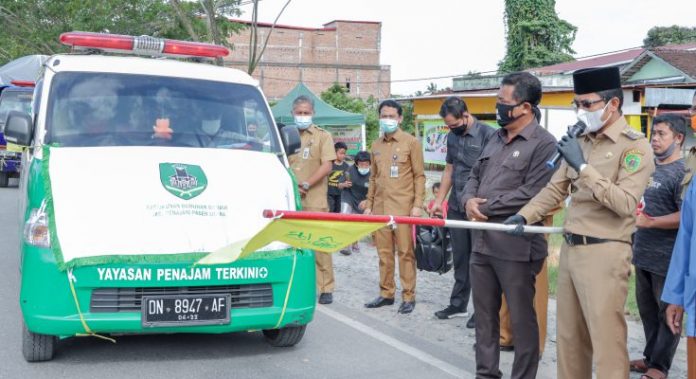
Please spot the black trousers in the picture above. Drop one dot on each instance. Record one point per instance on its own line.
(660, 343)
(334, 203)
(490, 278)
(461, 251)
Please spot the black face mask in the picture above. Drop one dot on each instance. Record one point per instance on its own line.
(503, 112)
(459, 130)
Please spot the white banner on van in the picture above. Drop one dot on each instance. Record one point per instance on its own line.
(145, 204)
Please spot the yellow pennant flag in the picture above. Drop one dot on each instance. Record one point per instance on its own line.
(323, 236)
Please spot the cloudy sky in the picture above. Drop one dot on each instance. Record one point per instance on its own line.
(422, 39)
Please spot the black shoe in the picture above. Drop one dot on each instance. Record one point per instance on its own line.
(471, 323)
(406, 307)
(449, 312)
(326, 298)
(379, 302)
(345, 251)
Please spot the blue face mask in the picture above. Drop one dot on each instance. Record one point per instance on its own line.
(388, 125)
(303, 122)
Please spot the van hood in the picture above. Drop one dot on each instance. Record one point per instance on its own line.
(114, 204)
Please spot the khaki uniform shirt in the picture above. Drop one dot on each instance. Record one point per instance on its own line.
(690, 163)
(604, 196)
(317, 148)
(397, 176)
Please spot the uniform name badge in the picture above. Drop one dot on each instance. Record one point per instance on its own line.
(394, 172)
(305, 153)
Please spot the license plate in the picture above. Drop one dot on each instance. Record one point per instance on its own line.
(180, 310)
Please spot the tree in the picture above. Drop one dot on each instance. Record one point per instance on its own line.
(337, 95)
(208, 20)
(431, 89)
(33, 26)
(255, 54)
(536, 36)
(666, 35)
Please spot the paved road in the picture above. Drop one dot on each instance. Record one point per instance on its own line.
(340, 343)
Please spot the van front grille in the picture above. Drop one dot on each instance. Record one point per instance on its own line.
(129, 299)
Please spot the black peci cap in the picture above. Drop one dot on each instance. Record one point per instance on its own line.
(596, 79)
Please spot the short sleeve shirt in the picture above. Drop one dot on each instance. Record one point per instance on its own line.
(652, 248)
(336, 176)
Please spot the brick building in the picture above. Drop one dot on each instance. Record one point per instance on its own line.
(346, 52)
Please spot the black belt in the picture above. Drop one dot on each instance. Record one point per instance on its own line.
(578, 239)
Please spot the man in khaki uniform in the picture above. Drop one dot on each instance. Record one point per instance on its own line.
(311, 165)
(690, 158)
(605, 172)
(397, 188)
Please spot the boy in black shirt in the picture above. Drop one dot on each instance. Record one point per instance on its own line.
(336, 178)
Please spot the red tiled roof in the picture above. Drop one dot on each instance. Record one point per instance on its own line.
(680, 46)
(612, 59)
(683, 60)
(594, 61)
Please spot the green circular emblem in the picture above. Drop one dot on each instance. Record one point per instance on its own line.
(632, 161)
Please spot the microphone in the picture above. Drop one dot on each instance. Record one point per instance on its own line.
(574, 130)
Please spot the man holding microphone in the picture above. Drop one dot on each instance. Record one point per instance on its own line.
(604, 171)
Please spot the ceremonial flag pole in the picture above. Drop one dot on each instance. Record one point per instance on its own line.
(330, 232)
(455, 224)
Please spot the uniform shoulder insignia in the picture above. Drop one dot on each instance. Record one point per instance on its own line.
(632, 134)
(631, 160)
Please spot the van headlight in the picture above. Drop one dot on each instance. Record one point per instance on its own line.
(36, 229)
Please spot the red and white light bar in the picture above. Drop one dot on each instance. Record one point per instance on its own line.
(23, 83)
(142, 45)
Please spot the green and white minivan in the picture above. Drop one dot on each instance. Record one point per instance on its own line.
(136, 167)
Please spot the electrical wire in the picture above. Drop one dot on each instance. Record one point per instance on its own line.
(471, 75)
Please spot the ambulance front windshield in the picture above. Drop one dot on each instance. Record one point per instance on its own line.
(105, 109)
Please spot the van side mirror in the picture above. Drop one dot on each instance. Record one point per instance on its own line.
(19, 128)
(290, 137)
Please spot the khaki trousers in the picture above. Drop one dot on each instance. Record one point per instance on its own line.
(385, 239)
(541, 306)
(691, 357)
(324, 266)
(592, 289)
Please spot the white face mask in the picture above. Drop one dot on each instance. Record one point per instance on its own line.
(303, 122)
(210, 127)
(593, 119)
(364, 171)
(388, 125)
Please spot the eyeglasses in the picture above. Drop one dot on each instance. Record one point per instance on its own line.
(586, 104)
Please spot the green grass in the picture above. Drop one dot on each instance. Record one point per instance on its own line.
(555, 242)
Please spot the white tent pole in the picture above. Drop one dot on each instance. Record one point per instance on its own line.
(363, 136)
